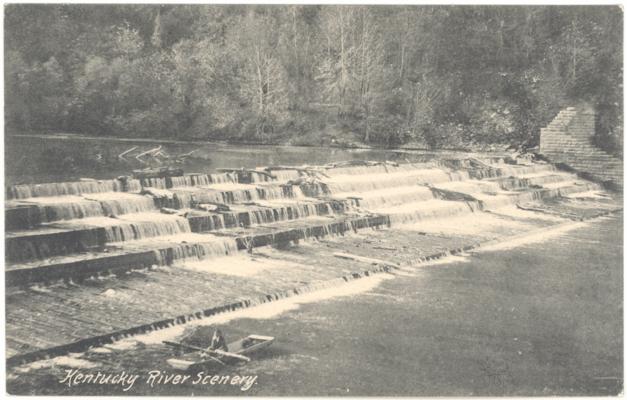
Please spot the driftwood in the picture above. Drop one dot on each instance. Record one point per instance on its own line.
(252, 203)
(211, 206)
(171, 211)
(451, 195)
(158, 193)
(187, 154)
(121, 155)
(151, 151)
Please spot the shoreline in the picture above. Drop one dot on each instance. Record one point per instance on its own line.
(226, 143)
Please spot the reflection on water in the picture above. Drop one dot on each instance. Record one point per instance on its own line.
(57, 159)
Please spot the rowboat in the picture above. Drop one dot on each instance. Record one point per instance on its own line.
(199, 358)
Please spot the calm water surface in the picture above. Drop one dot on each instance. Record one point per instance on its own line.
(540, 319)
(59, 158)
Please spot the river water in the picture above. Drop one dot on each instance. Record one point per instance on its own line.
(59, 158)
(539, 317)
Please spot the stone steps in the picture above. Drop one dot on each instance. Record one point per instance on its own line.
(567, 140)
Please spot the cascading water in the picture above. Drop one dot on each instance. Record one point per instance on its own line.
(65, 208)
(363, 183)
(203, 179)
(390, 196)
(406, 193)
(145, 225)
(284, 175)
(63, 188)
(122, 203)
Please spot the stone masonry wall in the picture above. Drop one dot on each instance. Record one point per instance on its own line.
(568, 140)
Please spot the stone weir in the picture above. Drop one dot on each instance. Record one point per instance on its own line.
(77, 229)
(78, 233)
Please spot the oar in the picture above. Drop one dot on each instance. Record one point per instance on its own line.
(220, 352)
(204, 351)
(228, 354)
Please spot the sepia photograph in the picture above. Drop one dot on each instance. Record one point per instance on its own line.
(313, 199)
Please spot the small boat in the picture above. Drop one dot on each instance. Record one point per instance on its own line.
(199, 358)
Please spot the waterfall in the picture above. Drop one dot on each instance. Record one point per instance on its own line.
(179, 248)
(227, 177)
(146, 225)
(203, 179)
(230, 194)
(417, 211)
(285, 212)
(284, 175)
(63, 188)
(65, 208)
(259, 178)
(158, 183)
(185, 180)
(122, 203)
(381, 181)
(90, 205)
(521, 170)
(390, 196)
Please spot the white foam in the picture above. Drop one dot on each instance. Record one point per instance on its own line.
(238, 265)
(270, 310)
(72, 360)
(591, 194)
(515, 212)
(533, 237)
(100, 350)
(471, 224)
(124, 344)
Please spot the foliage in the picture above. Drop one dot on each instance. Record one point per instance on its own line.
(438, 76)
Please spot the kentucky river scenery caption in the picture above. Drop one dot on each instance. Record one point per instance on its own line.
(74, 377)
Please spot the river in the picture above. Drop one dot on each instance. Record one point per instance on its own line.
(537, 317)
(60, 158)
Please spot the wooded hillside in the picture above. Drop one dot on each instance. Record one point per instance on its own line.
(440, 76)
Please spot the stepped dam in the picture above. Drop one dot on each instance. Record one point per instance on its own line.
(93, 262)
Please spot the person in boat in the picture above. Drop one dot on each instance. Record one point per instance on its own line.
(218, 342)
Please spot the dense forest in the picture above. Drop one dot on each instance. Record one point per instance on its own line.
(436, 76)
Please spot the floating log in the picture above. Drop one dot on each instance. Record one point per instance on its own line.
(451, 195)
(187, 154)
(121, 155)
(211, 206)
(158, 193)
(171, 211)
(151, 151)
